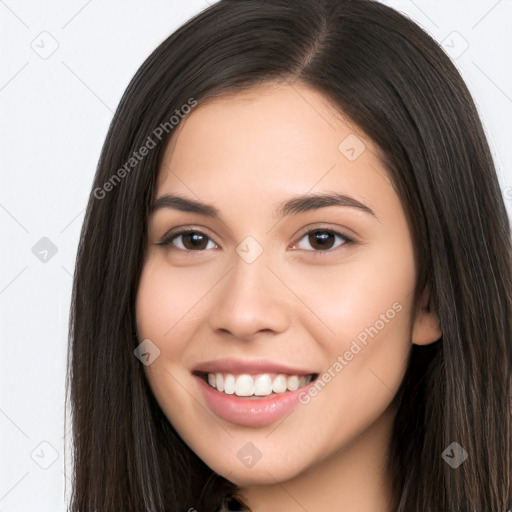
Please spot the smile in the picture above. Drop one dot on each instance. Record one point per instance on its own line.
(265, 384)
(253, 393)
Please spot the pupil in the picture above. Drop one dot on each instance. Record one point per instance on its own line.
(195, 239)
(321, 240)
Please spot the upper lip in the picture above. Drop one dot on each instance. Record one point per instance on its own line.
(238, 366)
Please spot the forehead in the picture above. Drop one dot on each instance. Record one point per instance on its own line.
(273, 139)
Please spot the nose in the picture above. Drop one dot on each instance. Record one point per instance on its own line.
(250, 301)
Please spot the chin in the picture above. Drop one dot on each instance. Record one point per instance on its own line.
(261, 473)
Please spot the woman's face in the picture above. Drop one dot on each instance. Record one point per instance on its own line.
(276, 285)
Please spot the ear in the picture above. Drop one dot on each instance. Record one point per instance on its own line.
(426, 328)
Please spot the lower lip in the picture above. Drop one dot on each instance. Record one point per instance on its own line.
(250, 412)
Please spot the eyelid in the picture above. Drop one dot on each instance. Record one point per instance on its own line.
(170, 235)
(318, 228)
(344, 233)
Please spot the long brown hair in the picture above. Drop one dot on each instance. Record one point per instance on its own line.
(392, 80)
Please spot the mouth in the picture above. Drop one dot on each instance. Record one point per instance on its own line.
(256, 385)
(251, 393)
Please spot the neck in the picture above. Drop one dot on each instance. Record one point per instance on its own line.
(354, 478)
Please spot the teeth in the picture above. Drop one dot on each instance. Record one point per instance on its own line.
(244, 386)
(292, 382)
(279, 384)
(261, 385)
(229, 384)
(219, 381)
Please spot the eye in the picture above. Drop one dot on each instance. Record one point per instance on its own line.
(192, 240)
(324, 240)
(189, 240)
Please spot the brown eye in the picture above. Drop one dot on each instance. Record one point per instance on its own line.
(190, 241)
(323, 240)
(195, 241)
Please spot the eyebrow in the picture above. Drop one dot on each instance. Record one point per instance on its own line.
(294, 205)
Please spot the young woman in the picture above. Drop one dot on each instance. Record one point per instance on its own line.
(293, 286)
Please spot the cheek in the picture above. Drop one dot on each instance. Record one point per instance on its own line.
(165, 311)
(167, 302)
(368, 296)
(361, 321)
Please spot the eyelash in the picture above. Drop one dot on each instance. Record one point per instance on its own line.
(169, 239)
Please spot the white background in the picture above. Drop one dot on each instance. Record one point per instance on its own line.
(55, 112)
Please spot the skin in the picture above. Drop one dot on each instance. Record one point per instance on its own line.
(296, 303)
